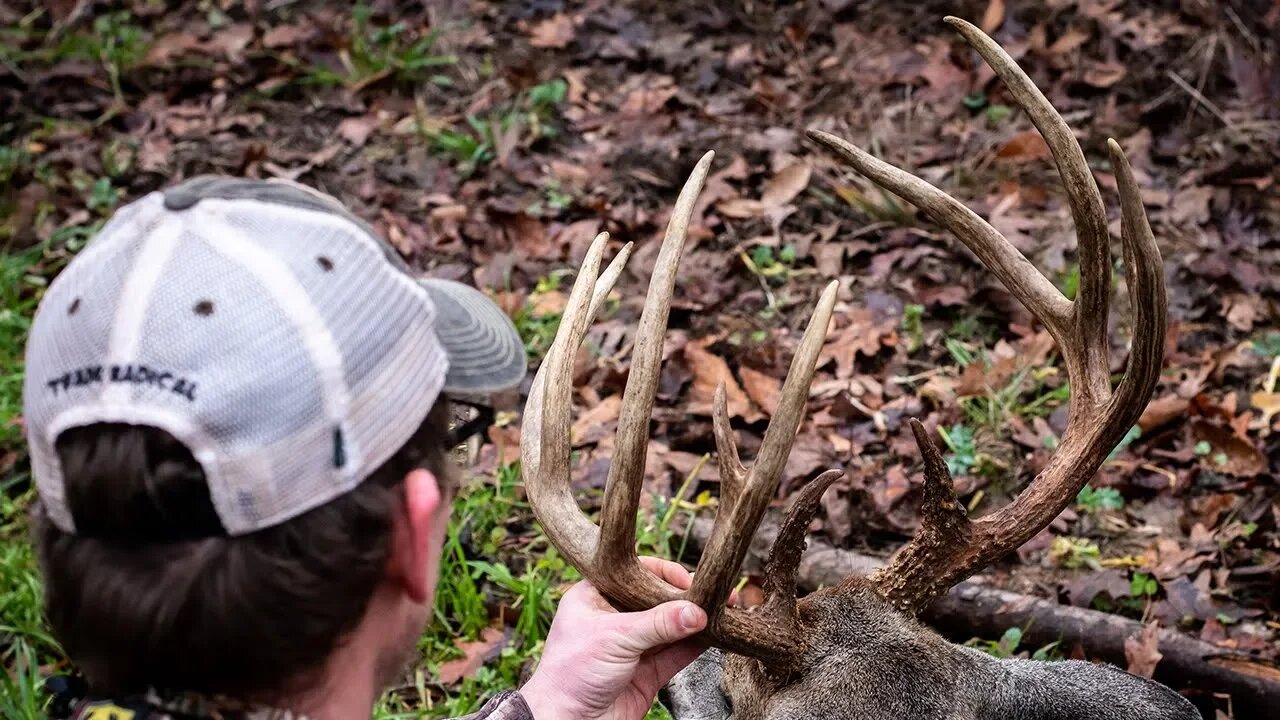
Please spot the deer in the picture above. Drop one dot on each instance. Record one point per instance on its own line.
(857, 649)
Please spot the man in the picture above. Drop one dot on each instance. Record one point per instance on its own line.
(236, 405)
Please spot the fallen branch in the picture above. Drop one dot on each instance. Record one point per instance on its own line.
(973, 609)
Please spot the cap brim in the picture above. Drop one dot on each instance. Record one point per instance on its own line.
(485, 352)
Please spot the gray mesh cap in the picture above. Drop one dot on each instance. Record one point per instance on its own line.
(266, 328)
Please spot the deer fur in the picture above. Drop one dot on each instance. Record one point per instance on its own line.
(868, 661)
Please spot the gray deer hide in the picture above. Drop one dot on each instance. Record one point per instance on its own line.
(866, 661)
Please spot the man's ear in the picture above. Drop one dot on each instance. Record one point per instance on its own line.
(411, 562)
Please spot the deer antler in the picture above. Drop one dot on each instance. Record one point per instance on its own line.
(949, 546)
(606, 555)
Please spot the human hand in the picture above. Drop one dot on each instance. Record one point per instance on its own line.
(600, 664)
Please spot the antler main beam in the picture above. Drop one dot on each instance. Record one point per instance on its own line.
(950, 547)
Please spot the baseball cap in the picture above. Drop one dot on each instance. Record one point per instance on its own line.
(269, 330)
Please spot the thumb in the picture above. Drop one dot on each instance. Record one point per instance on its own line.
(667, 623)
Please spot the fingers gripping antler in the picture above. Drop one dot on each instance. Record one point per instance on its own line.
(949, 547)
(606, 555)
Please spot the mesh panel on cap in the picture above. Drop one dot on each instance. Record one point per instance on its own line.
(63, 342)
(395, 366)
(366, 319)
(254, 383)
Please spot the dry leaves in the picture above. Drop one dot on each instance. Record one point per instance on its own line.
(764, 389)
(709, 370)
(1143, 652)
(556, 31)
(778, 191)
(864, 335)
(474, 655)
(1025, 146)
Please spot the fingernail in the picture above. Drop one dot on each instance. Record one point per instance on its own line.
(690, 617)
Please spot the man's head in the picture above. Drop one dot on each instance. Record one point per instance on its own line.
(235, 400)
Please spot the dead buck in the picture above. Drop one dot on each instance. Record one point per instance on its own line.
(856, 650)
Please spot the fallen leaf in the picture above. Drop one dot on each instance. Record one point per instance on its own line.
(1084, 588)
(684, 463)
(594, 423)
(783, 187)
(1163, 410)
(474, 655)
(556, 31)
(356, 130)
(231, 41)
(171, 45)
(1243, 310)
(1026, 145)
(1073, 38)
(862, 335)
(649, 96)
(1143, 652)
(1229, 453)
(1105, 74)
(887, 492)
(993, 17)
(709, 370)
(1269, 404)
(548, 303)
(979, 378)
(741, 208)
(764, 389)
(283, 36)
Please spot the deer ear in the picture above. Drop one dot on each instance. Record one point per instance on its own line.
(697, 692)
(1095, 692)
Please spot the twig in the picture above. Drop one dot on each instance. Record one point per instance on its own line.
(1199, 97)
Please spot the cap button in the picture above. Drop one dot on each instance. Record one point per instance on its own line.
(181, 197)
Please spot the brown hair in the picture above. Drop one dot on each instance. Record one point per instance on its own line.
(151, 591)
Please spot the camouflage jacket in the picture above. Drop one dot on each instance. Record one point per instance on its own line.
(70, 703)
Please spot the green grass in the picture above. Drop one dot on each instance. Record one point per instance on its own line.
(528, 117)
(377, 52)
(112, 40)
(1094, 500)
(25, 644)
(1008, 644)
(19, 293)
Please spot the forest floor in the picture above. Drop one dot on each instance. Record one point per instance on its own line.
(490, 142)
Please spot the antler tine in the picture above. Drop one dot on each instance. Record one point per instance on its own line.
(607, 280)
(788, 546)
(943, 522)
(949, 547)
(1017, 273)
(731, 536)
(626, 474)
(545, 435)
(530, 445)
(1093, 297)
(732, 472)
(1144, 275)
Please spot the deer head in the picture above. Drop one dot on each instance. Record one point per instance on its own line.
(855, 650)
